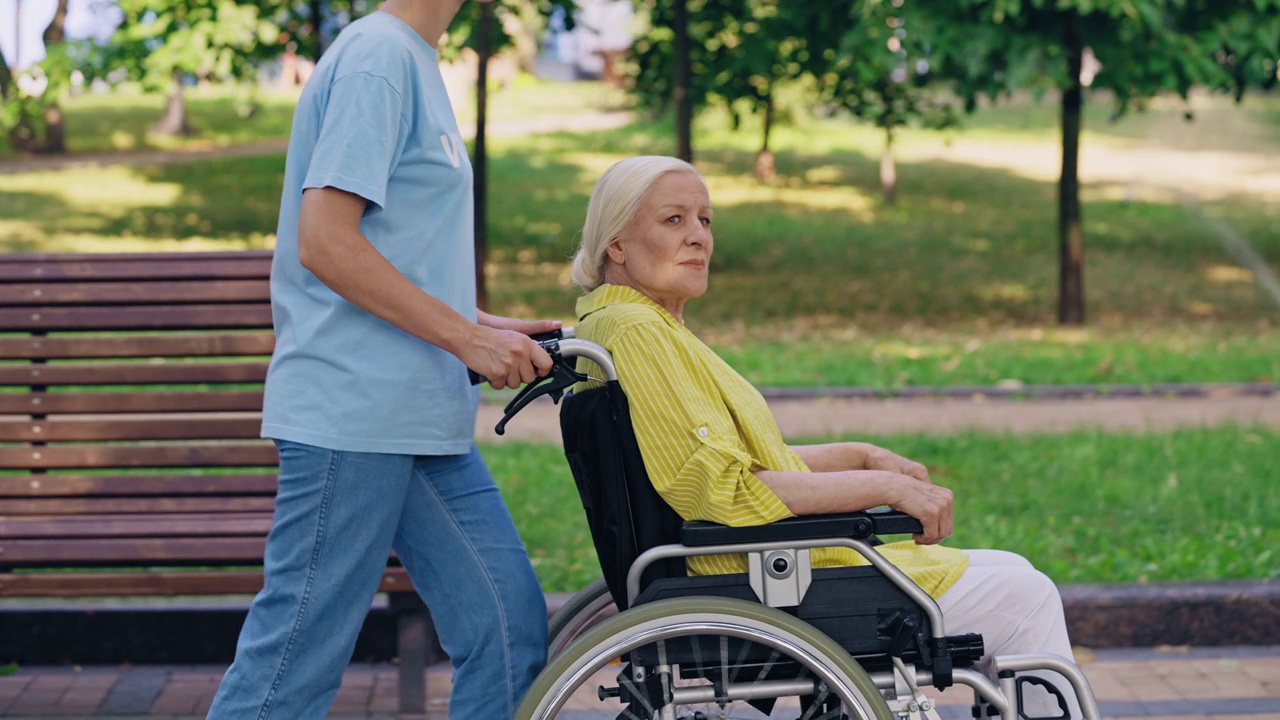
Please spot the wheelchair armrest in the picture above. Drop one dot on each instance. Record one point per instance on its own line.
(858, 525)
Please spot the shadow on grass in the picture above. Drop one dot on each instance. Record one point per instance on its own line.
(962, 242)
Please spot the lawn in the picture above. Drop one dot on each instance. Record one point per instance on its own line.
(1084, 507)
(817, 281)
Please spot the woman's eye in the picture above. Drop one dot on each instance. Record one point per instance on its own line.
(706, 221)
(673, 219)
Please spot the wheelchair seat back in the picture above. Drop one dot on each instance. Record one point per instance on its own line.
(624, 511)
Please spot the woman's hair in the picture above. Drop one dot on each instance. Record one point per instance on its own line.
(614, 201)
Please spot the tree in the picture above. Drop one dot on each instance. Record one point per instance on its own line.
(881, 70)
(479, 27)
(162, 42)
(29, 111)
(1145, 47)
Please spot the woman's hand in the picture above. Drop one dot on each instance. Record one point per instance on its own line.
(932, 505)
(877, 458)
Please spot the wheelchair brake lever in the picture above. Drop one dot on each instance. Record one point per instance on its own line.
(561, 378)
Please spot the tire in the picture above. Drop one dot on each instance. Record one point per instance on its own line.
(586, 609)
(801, 663)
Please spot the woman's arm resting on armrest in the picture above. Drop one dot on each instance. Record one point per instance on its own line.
(833, 457)
(817, 493)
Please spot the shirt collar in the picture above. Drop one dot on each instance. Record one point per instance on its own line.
(606, 295)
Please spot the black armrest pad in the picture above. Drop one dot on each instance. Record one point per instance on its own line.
(859, 526)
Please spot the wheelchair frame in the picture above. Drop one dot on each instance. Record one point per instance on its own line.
(779, 576)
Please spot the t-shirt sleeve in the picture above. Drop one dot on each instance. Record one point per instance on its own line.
(361, 138)
(687, 436)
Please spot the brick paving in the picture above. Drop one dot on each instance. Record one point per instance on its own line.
(1233, 683)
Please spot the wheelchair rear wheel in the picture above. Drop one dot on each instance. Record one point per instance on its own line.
(703, 657)
(586, 609)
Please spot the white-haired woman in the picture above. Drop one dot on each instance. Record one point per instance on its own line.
(712, 448)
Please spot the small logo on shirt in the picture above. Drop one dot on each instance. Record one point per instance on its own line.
(454, 148)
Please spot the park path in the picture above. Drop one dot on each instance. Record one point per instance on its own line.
(578, 122)
(807, 417)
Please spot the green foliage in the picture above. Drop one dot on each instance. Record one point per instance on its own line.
(462, 31)
(1145, 47)
(882, 67)
(218, 40)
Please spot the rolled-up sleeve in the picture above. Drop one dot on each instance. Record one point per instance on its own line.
(687, 435)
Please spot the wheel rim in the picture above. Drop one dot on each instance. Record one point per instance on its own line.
(584, 611)
(824, 664)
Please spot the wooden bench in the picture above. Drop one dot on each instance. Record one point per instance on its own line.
(130, 404)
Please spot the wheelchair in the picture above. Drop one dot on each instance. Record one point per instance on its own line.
(784, 640)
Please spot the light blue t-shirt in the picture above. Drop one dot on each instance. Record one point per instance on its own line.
(374, 120)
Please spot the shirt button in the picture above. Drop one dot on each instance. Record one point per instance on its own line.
(703, 432)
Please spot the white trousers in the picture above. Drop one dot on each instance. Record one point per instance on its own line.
(1016, 609)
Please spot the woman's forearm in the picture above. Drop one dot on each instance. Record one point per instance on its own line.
(818, 493)
(331, 247)
(835, 457)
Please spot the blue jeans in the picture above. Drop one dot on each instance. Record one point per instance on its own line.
(338, 514)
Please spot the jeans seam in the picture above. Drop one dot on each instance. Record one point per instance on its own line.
(307, 587)
(502, 614)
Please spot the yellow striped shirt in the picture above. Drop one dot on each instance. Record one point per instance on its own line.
(702, 430)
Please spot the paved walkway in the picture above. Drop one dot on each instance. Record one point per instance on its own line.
(814, 417)
(1232, 683)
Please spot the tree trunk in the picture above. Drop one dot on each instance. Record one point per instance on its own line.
(316, 10)
(1070, 227)
(54, 129)
(174, 120)
(680, 82)
(484, 49)
(6, 78)
(766, 169)
(888, 167)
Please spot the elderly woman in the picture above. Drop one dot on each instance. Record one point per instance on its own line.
(713, 450)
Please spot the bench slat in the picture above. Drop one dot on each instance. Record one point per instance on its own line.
(213, 427)
(135, 293)
(134, 526)
(213, 582)
(100, 403)
(134, 551)
(79, 506)
(138, 456)
(89, 267)
(133, 317)
(68, 486)
(133, 373)
(144, 346)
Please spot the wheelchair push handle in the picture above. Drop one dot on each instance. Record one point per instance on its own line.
(563, 348)
(547, 340)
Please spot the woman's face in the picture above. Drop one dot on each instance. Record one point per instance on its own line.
(666, 250)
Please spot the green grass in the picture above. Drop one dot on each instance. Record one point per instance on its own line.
(119, 121)
(1177, 354)
(816, 280)
(1083, 507)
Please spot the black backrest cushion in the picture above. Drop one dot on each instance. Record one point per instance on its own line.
(626, 514)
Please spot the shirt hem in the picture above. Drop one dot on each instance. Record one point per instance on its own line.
(367, 445)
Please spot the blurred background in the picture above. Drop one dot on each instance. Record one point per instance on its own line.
(910, 195)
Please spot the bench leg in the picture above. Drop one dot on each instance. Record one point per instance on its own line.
(416, 642)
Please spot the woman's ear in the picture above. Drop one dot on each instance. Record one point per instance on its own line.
(615, 251)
